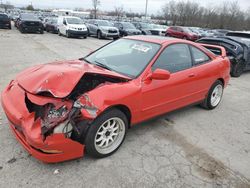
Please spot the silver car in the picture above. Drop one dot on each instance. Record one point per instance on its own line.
(102, 29)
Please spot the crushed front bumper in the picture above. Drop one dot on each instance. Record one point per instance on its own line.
(28, 131)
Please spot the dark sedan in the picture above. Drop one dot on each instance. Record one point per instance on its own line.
(5, 21)
(126, 29)
(29, 23)
(51, 25)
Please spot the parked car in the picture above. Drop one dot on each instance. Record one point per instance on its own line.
(158, 29)
(52, 25)
(218, 32)
(28, 22)
(182, 33)
(102, 29)
(5, 21)
(201, 33)
(237, 45)
(59, 111)
(143, 27)
(70, 26)
(126, 29)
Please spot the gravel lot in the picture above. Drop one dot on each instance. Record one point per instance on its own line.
(191, 147)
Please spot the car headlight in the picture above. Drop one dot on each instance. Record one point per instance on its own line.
(52, 116)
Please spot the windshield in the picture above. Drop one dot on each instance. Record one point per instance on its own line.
(74, 21)
(128, 25)
(29, 17)
(125, 56)
(104, 23)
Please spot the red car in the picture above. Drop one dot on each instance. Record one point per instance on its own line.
(59, 111)
(182, 33)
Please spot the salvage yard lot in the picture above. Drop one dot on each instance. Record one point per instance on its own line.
(191, 147)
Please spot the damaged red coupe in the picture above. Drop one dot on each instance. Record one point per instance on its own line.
(59, 111)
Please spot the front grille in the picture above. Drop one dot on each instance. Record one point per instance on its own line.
(31, 23)
(112, 31)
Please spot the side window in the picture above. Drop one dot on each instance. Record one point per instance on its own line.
(174, 58)
(199, 56)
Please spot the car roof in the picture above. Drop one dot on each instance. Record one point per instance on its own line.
(156, 39)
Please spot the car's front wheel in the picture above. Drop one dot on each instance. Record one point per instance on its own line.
(214, 96)
(106, 133)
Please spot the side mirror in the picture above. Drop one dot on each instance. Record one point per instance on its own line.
(64, 22)
(160, 74)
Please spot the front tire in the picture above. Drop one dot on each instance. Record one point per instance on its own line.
(59, 33)
(214, 96)
(106, 134)
(67, 34)
(99, 34)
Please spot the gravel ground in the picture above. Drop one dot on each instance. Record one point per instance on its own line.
(191, 147)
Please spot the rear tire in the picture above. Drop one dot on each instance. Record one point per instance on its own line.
(41, 32)
(106, 134)
(214, 96)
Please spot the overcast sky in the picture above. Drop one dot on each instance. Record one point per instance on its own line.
(133, 5)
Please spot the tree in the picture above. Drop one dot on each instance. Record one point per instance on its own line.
(119, 12)
(96, 4)
(30, 7)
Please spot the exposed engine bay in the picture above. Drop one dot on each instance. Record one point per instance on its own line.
(65, 116)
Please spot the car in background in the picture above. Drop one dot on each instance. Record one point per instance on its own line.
(218, 32)
(102, 29)
(28, 22)
(52, 25)
(60, 111)
(5, 21)
(158, 29)
(237, 45)
(200, 32)
(143, 27)
(71, 26)
(126, 29)
(182, 33)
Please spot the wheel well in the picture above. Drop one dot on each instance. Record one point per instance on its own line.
(222, 80)
(125, 110)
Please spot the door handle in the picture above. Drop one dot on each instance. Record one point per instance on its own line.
(191, 75)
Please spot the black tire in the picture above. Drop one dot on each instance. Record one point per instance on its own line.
(99, 34)
(9, 27)
(238, 68)
(85, 37)
(67, 34)
(94, 127)
(207, 104)
(115, 38)
(59, 33)
(42, 31)
(21, 30)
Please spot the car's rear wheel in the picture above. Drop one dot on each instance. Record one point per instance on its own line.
(59, 33)
(41, 31)
(237, 68)
(214, 96)
(106, 133)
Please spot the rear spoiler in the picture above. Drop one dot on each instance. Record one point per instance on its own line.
(217, 50)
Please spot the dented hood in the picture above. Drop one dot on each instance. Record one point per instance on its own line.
(58, 78)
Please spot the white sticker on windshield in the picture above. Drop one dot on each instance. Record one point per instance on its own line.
(141, 48)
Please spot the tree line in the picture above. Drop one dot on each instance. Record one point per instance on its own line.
(228, 15)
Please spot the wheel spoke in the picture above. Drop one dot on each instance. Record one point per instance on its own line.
(99, 139)
(102, 142)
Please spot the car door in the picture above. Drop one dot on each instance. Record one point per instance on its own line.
(161, 96)
(204, 72)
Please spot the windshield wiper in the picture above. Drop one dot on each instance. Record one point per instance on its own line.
(102, 65)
